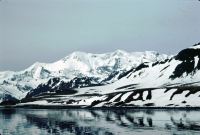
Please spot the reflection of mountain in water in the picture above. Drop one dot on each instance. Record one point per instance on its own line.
(61, 126)
(103, 122)
(82, 122)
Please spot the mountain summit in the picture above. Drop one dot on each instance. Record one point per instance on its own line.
(170, 82)
(117, 79)
(98, 68)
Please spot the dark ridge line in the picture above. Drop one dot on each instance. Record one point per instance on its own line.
(164, 68)
(126, 86)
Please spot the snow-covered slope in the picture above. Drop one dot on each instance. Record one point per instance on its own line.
(172, 82)
(97, 68)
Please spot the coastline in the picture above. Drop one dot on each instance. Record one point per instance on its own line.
(95, 108)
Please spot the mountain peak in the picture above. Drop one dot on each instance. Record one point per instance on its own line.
(76, 53)
(99, 68)
(120, 52)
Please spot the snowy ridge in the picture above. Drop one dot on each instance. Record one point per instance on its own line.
(172, 82)
(99, 68)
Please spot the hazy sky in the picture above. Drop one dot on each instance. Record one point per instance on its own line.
(47, 30)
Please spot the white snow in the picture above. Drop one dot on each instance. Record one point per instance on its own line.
(125, 96)
(196, 60)
(80, 64)
(195, 47)
(115, 97)
(77, 64)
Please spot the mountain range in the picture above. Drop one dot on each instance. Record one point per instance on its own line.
(116, 79)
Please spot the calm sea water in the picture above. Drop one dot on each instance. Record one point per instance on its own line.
(98, 122)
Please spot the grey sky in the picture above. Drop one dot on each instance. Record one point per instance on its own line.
(47, 30)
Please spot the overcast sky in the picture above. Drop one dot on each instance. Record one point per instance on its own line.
(47, 30)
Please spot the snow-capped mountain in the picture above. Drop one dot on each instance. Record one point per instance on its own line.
(79, 69)
(171, 82)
